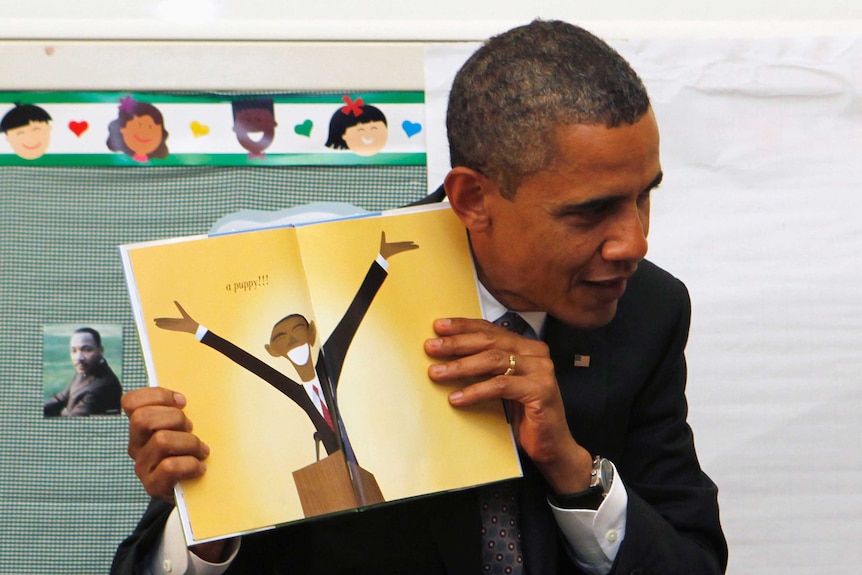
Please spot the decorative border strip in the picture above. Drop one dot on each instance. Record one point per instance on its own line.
(140, 128)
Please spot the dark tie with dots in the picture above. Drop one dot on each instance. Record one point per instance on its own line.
(501, 538)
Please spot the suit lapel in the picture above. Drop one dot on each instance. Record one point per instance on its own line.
(584, 388)
(584, 391)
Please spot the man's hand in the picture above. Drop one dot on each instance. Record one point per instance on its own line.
(161, 440)
(184, 323)
(164, 448)
(476, 349)
(389, 249)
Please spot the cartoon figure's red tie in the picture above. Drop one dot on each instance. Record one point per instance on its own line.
(323, 407)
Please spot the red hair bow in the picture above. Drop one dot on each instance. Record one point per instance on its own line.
(354, 106)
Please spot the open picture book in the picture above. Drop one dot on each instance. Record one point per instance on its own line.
(300, 352)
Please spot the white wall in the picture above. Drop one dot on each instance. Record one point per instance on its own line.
(389, 20)
(374, 44)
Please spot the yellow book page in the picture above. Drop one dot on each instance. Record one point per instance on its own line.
(237, 286)
(399, 422)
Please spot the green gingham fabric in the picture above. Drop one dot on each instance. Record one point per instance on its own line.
(68, 493)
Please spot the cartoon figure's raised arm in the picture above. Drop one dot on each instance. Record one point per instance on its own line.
(389, 249)
(184, 323)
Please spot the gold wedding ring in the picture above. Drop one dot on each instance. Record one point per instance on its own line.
(511, 369)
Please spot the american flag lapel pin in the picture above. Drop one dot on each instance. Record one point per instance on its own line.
(582, 360)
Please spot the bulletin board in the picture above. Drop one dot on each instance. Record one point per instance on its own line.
(68, 492)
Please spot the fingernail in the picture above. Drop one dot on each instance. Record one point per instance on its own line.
(456, 396)
(438, 369)
(434, 343)
(179, 399)
(206, 449)
(444, 322)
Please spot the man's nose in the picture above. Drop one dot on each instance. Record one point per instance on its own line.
(627, 236)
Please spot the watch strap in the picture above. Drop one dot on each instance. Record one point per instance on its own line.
(587, 499)
(592, 497)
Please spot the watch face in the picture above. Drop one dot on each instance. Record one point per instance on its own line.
(606, 474)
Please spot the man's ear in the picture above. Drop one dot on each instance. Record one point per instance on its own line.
(269, 350)
(468, 192)
(312, 333)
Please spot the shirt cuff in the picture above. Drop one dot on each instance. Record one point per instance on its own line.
(382, 261)
(172, 557)
(201, 332)
(594, 537)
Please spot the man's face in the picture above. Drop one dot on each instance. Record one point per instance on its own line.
(30, 141)
(575, 231)
(255, 129)
(85, 354)
(290, 334)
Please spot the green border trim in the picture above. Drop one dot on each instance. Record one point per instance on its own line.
(121, 160)
(39, 98)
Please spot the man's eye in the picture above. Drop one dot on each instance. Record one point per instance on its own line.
(592, 210)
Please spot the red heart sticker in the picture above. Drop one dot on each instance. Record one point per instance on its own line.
(78, 128)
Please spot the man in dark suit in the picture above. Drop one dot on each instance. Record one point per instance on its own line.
(292, 337)
(95, 388)
(555, 152)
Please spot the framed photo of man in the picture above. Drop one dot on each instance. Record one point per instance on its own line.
(81, 369)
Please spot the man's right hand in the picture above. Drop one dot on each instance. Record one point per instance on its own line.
(161, 440)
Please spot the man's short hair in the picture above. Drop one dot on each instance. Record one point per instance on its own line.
(97, 337)
(510, 96)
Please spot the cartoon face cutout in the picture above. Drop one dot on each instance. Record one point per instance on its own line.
(254, 128)
(366, 139)
(142, 135)
(292, 338)
(30, 141)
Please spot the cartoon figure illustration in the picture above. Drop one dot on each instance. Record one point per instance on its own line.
(358, 127)
(292, 337)
(139, 131)
(95, 389)
(27, 130)
(254, 124)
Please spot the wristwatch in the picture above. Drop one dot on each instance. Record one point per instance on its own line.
(601, 478)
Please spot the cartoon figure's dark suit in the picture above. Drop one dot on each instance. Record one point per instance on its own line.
(328, 366)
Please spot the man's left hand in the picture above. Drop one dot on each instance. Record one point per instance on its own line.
(471, 349)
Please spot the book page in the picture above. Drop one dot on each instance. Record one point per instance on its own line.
(399, 423)
(237, 286)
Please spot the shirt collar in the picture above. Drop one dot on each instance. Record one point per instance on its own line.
(492, 310)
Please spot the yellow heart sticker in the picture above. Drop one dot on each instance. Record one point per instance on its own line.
(199, 129)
